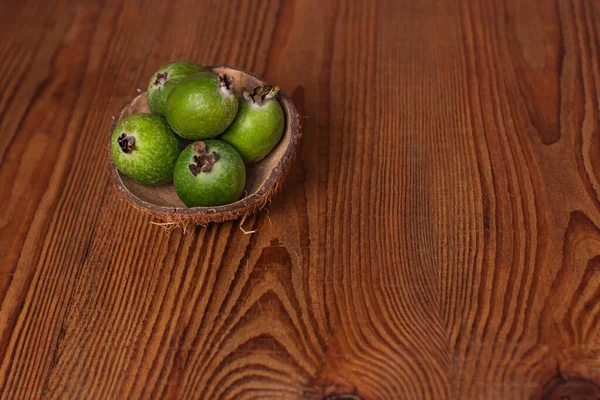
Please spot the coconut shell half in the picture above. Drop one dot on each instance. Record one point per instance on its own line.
(262, 178)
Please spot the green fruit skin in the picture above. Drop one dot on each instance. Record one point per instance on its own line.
(198, 109)
(223, 184)
(256, 130)
(156, 149)
(176, 72)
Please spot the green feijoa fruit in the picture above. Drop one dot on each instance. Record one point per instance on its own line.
(165, 79)
(209, 173)
(202, 105)
(144, 148)
(258, 126)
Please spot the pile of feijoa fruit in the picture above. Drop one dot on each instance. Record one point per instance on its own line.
(195, 106)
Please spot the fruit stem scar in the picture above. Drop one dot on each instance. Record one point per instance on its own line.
(126, 142)
(161, 78)
(260, 94)
(202, 161)
(226, 81)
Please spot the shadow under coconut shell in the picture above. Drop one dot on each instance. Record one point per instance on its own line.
(262, 178)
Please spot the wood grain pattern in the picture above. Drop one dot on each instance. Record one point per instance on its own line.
(438, 236)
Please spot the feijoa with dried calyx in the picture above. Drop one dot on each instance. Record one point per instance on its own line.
(144, 148)
(202, 106)
(165, 79)
(259, 124)
(209, 173)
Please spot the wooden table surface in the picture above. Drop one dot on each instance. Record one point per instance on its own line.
(438, 236)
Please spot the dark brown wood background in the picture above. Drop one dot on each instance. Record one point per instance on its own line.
(437, 238)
